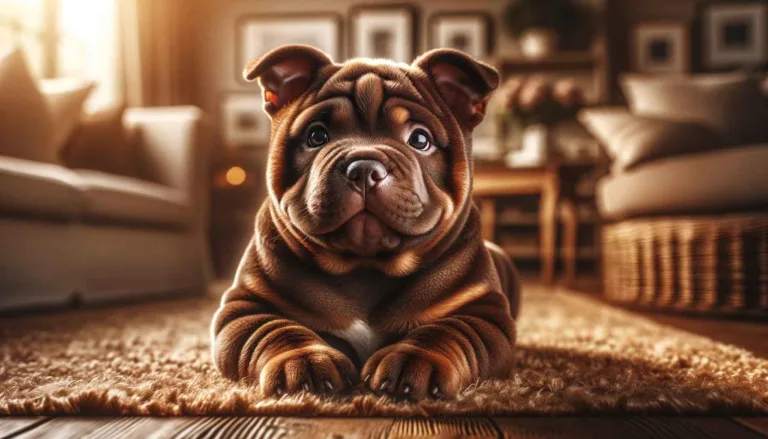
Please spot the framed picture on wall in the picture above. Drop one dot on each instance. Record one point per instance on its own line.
(661, 47)
(242, 121)
(258, 34)
(386, 31)
(735, 35)
(470, 32)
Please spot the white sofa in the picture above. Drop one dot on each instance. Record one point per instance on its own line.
(69, 235)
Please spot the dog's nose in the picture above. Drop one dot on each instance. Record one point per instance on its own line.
(365, 174)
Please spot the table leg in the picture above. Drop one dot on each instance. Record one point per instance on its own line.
(488, 218)
(570, 240)
(548, 231)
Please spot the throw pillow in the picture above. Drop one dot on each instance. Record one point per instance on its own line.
(632, 140)
(603, 123)
(101, 143)
(26, 122)
(66, 97)
(730, 104)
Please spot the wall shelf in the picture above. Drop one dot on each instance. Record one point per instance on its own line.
(564, 61)
(525, 252)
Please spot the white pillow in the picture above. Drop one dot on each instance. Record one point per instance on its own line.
(730, 104)
(26, 122)
(604, 123)
(632, 140)
(66, 97)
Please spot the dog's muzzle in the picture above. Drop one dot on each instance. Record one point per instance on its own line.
(365, 175)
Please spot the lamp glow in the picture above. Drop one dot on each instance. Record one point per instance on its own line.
(236, 176)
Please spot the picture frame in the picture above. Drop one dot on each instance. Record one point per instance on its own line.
(242, 120)
(468, 31)
(258, 34)
(383, 31)
(735, 34)
(661, 47)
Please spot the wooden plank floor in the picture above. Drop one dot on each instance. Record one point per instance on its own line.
(750, 335)
(339, 428)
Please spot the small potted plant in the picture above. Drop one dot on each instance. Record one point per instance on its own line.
(538, 24)
(532, 106)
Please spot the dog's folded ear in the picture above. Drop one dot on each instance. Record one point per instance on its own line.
(285, 73)
(464, 83)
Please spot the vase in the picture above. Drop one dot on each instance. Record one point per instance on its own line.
(535, 147)
(538, 42)
(505, 138)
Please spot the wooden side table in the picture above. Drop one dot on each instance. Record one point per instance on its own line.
(237, 190)
(554, 184)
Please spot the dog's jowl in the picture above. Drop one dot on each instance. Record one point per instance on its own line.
(367, 264)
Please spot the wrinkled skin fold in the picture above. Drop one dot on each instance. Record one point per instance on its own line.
(366, 263)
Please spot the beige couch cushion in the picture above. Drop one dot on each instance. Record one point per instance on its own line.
(66, 97)
(125, 200)
(26, 122)
(29, 188)
(102, 143)
(631, 140)
(724, 180)
(731, 104)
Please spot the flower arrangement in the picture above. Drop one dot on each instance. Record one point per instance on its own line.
(530, 106)
(537, 101)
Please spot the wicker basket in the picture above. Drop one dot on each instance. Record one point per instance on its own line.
(712, 265)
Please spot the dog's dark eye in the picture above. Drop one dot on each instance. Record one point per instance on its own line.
(317, 136)
(419, 139)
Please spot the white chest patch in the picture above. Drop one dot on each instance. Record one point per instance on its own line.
(362, 337)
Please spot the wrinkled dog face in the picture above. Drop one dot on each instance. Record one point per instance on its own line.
(365, 174)
(367, 159)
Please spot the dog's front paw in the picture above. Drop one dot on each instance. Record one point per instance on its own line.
(316, 368)
(406, 371)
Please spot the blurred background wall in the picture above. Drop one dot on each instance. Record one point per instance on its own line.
(216, 22)
(216, 59)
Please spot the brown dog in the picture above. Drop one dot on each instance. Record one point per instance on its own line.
(367, 252)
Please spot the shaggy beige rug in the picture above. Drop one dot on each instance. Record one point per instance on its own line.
(576, 356)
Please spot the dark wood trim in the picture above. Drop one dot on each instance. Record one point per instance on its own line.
(286, 17)
(358, 9)
(490, 28)
(460, 427)
(563, 61)
(15, 426)
(756, 424)
(632, 427)
(628, 427)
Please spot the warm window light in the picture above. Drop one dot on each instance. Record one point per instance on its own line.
(88, 47)
(236, 176)
(21, 24)
(82, 34)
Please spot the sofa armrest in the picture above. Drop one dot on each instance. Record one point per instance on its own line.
(176, 143)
